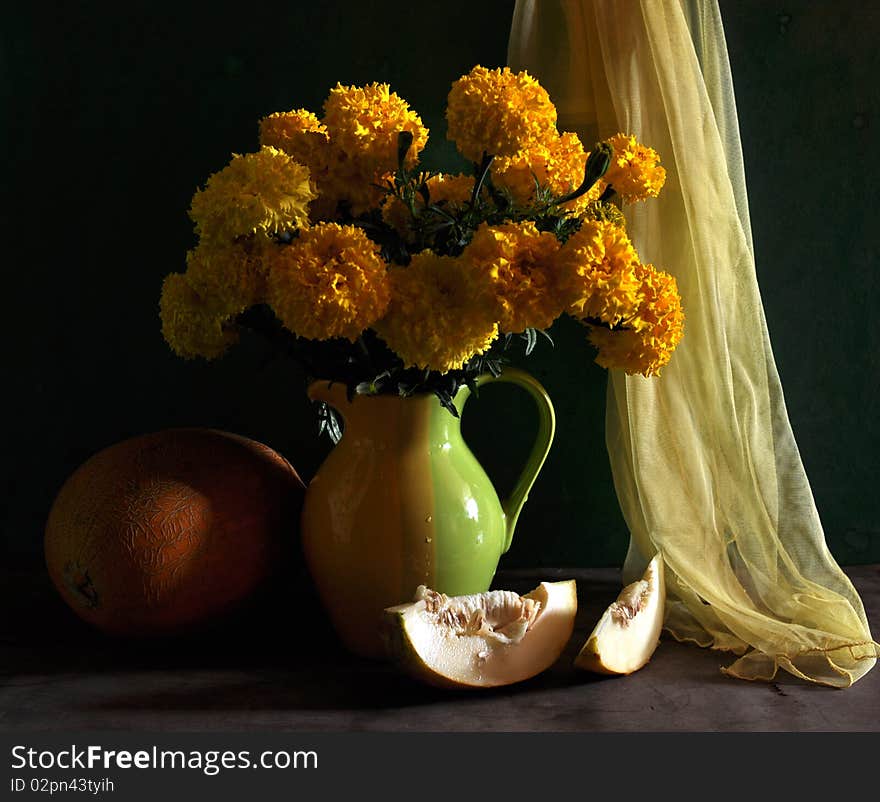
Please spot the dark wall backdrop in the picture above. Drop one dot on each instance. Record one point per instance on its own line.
(113, 117)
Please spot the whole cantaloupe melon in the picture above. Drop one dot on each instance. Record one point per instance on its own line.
(166, 531)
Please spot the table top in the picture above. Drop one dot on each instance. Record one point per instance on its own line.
(276, 666)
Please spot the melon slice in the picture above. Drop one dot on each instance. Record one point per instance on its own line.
(627, 634)
(483, 640)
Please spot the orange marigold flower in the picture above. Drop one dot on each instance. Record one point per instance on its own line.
(498, 112)
(265, 191)
(596, 273)
(364, 123)
(304, 137)
(191, 325)
(451, 190)
(635, 171)
(441, 313)
(557, 163)
(232, 275)
(329, 283)
(351, 182)
(300, 134)
(644, 345)
(519, 260)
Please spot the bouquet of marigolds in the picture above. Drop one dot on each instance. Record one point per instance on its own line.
(333, 243)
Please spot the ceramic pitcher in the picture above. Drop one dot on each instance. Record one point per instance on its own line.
(401, 501)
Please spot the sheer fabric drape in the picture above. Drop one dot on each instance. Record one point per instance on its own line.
(705, 464)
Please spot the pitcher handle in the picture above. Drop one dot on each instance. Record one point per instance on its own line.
(513, 504)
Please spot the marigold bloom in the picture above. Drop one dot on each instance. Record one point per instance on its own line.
(265, 191)
(192, 326)
(233, 275)
(304, 137)
(596, 273)
(635, 171)
(519, 261)
(441, 313)
(646, 342)
(329, 283)
(498, 112)
(364, 123)
(299, 133)
(450, 190)
(350, 182)
(557, 163)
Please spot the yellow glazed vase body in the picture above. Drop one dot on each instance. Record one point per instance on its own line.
(401, 501)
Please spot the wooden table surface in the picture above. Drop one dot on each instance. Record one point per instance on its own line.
(276, 666)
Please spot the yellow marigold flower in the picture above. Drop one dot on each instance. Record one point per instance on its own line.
(233, 275)
(451, 190)
(646, 343)
(300, 134)
(305, 138)
(351, 182)
(326, 206)
(519, 260)
(498, 112)
(336, 176)
(443, 190)
(557, 163)
(395, 213)
(596, 271)
(191, 326)
(441, 313)
(660, 308)
(364, 123)
(329, 283)
(265, 191)
(635, 171)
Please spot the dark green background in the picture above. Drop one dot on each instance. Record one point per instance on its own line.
(112, 118)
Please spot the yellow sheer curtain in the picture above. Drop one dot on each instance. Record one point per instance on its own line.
(705, 464)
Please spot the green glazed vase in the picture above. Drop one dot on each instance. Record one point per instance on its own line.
(401, 501)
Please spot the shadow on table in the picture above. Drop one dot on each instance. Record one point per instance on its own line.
(277, 652)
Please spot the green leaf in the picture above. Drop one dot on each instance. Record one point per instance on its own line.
(494, 366)
(446, 400)
(531, 340)
(546, 336)
(334, 428)
(328, 422)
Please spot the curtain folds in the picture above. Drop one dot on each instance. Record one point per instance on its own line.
(704, 461)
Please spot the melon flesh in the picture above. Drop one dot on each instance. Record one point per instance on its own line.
(627, 634)
(483, 640)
